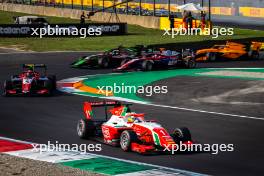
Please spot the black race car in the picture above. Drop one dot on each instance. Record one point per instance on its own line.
(111, 58)
(163, 60)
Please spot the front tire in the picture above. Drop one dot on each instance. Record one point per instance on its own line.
(103, 62)
(126, 139)
(191, 63)
(255, 55)
(211, 57)
(147, 66)
(7, 86)
(181, 134)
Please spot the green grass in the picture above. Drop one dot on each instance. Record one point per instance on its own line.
(137, 35)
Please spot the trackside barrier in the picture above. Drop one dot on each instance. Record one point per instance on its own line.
(251, 12)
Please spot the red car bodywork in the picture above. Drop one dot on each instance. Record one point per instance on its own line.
(30, 82)
(150, 136)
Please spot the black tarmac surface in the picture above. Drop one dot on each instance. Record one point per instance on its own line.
(40, 119)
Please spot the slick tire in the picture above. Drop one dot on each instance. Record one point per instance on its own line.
(126, 139)
(103, 62)
(85, 128)
(7, 86)
(181, 134)
(53, 80)
(255, 55)
(191, 63)
(147, 66)
(211, 57)
(48, 85)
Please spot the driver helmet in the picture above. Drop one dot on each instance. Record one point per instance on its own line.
(131, 118)
(29, 73)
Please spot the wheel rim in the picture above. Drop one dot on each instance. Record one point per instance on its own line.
(149, 67)
(124, 141)
(105, 63)
(80, 128)
(213, 57)
(4, 92)
(178, 134)
(191, 64)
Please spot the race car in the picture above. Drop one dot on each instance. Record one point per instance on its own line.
(230, 51)
(30, 82)
(165, 59)
(111, 58)
(127, 129)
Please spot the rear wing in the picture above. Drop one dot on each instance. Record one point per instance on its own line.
(87, 107)
(34, 65)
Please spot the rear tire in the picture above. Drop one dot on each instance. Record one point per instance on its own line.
(7, 86)
(85, 128)
(147, 66)
(53, 80)
(191, 63)
(48, 85)
(126, 139)
(181, 134)
(255, 55)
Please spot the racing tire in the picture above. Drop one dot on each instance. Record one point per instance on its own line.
(147, 66)
(53, 80)
(7, 86)
(48, 85)
(181, 134)
(85, 128)
(126, 139)
(211, 57)
(103, 62)
(255, 55)
(191, 63)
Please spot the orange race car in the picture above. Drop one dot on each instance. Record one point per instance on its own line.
(230, 51)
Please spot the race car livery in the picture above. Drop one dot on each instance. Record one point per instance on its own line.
(129, 130)
(165, 59)
(230, 51)
(111, 58)
(30, 82)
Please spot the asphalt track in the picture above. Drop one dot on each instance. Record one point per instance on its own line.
(39, 119)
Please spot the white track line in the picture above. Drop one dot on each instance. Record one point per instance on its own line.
(208, 112)
(167, 106)
(124, 160)
(175, 107)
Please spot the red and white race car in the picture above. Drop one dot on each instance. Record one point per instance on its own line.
(128, 130)
(31, 82)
